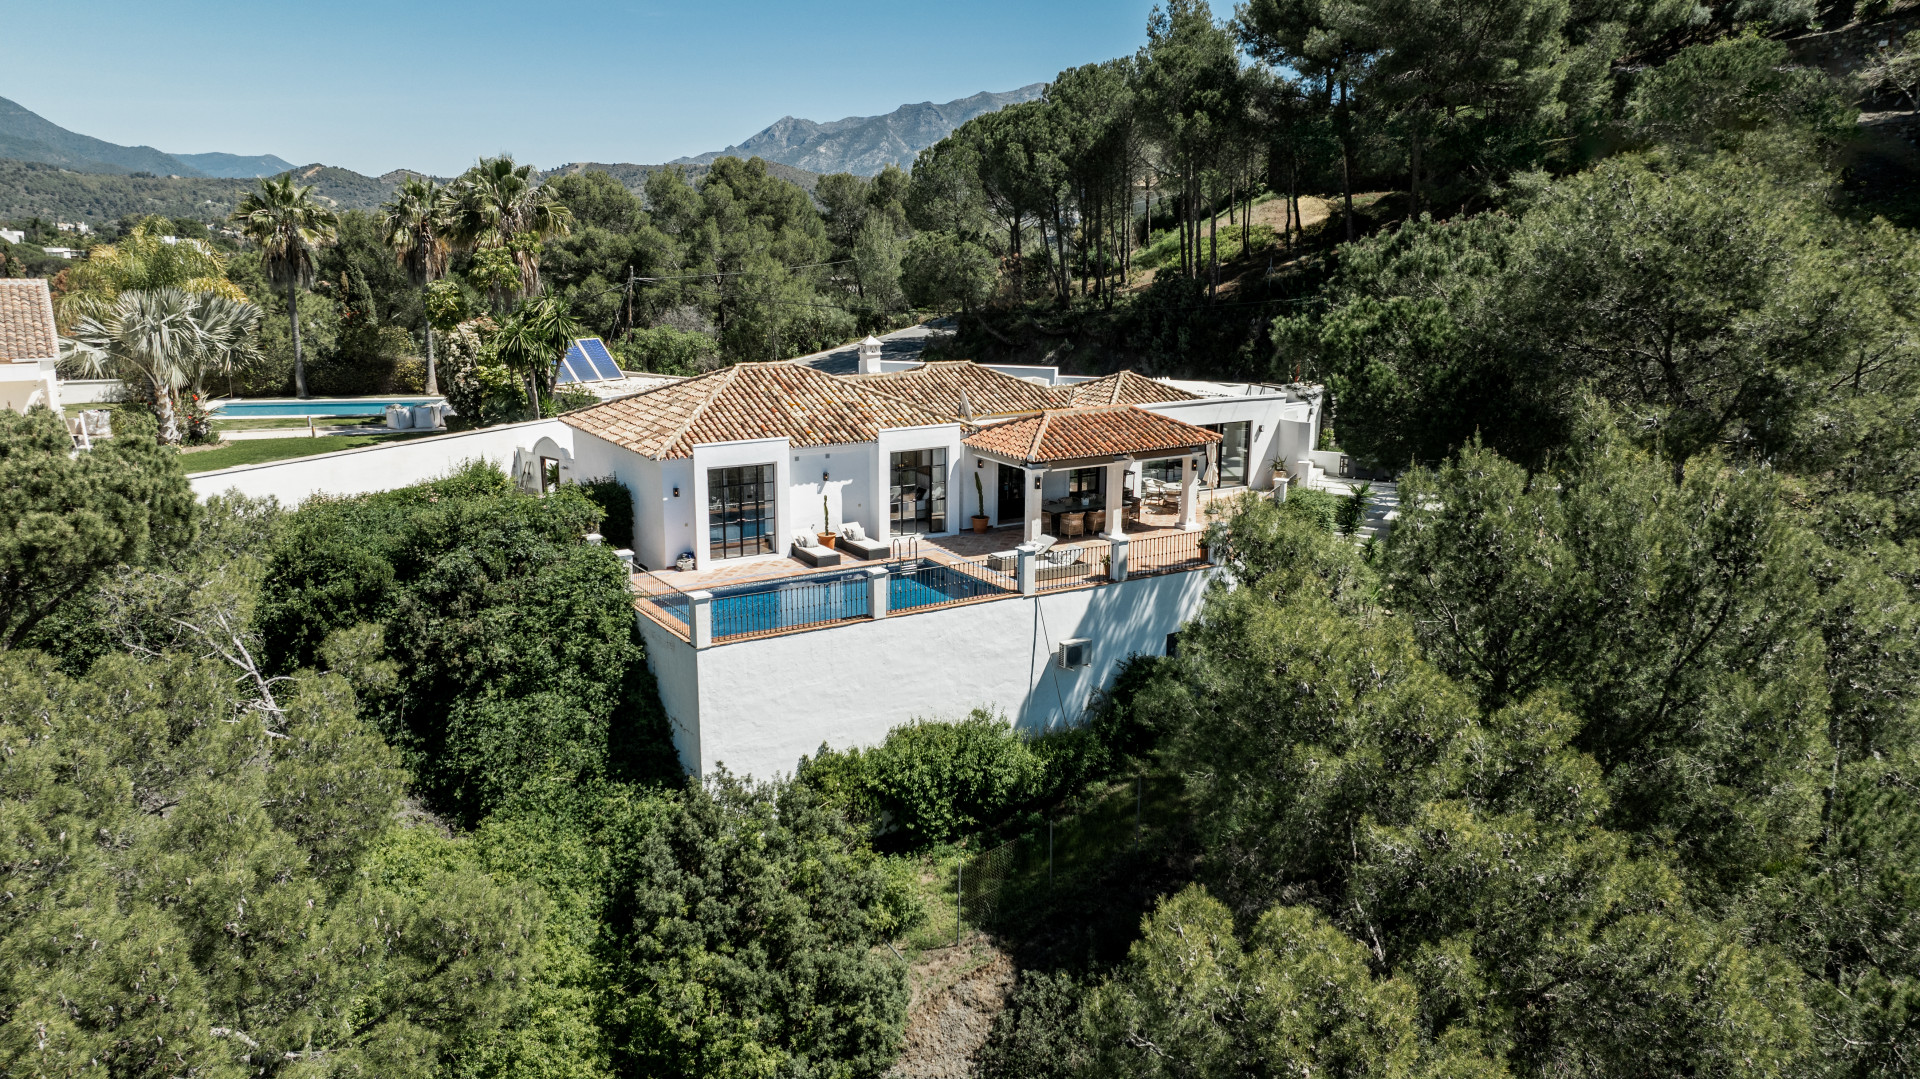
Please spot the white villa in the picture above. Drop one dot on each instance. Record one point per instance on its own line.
(809, 562)
(29, 345)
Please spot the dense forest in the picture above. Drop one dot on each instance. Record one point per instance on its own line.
(1603, 761)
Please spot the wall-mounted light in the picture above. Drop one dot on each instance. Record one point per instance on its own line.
(1258, 431)
(1036, 481)
(823, 477)
(676, 492)
(980, 463)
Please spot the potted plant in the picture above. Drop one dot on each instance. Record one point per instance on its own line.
(980, 520)
(825, 535)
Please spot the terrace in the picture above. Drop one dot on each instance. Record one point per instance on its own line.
(765, 599)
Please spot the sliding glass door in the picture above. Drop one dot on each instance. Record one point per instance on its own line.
(1233, 453)
(740, 510)
(918, 491)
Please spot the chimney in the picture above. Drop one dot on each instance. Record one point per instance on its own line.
(870, 356)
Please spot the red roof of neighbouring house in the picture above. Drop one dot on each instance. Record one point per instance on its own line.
(939, 385)
(1119, 388)
(1073, 434)
(749, 401)
(26, 321)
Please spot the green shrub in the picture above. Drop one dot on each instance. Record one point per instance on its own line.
(514, 642)
(932, 781)
(616, 501)
(1320, 507)
(1351, 512)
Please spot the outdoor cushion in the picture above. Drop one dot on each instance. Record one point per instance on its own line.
(867, 549)
(816, 556)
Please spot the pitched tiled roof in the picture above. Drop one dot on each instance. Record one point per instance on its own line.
(938, 386)
(747, 401)
(1120, 388)
(26, 320)
(1074, 433)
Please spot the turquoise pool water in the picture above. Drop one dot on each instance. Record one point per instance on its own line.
(350, 406)
(801, 601)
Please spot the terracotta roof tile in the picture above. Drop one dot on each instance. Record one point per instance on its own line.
(1119, 388)
(748, 401)
(1072, 434)
(939, 384)
(26, 320)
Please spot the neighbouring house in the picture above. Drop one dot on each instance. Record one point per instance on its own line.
(29, 345)
(767, 643)
(64, 252)
(13, 236)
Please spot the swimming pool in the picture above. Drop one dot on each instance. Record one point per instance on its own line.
(317, 406)
(767, 606)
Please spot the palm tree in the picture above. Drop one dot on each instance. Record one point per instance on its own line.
(497, 205)
(532, 341)
(289, 225)
(149, 332)
(415, 222)
(229, 338)
(148, 257)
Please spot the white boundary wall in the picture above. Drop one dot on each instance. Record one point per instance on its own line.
(380, 468)
(757, 706)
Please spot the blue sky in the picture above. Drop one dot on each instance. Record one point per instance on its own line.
(375, 85)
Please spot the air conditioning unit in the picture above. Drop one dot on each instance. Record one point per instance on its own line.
(1075, 652)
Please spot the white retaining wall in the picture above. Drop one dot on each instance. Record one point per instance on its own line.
(382, 467)
(757, 706)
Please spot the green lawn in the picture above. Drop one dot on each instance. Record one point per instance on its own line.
(261, 450)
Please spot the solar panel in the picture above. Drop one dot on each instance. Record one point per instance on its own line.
(575, 367)
(602, 360)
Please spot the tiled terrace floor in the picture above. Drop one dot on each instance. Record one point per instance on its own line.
(963, 545)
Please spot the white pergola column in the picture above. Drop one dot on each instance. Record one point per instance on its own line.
(1036, 521)
(1190, 492)
(882, 500)
(1116, 505)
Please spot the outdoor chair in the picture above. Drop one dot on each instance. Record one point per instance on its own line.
(1062, 563)
(854, 539)
(1072, 524)
(1097, 521)
(815, 555)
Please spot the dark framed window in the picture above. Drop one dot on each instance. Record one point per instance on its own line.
(1234, 443)
(918, 491)
(1086, 482)
(1163, 470)
(740, 511)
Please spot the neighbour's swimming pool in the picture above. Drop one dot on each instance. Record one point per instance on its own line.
(765, 606)
(321, 406)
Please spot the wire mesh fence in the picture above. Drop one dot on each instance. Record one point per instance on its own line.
(997, 887)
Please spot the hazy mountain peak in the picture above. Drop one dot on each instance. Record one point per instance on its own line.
(27, 136)
(865, 144)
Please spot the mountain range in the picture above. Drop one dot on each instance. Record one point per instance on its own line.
(28, 136)
(49, 171)
(863, 145)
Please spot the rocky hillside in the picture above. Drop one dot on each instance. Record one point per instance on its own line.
(864, 145)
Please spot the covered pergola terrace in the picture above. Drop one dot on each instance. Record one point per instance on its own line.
(1079, 441)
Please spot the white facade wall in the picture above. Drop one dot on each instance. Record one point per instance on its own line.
(848, 487)
(757, 706)
(1275, 426)
(383, 467)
